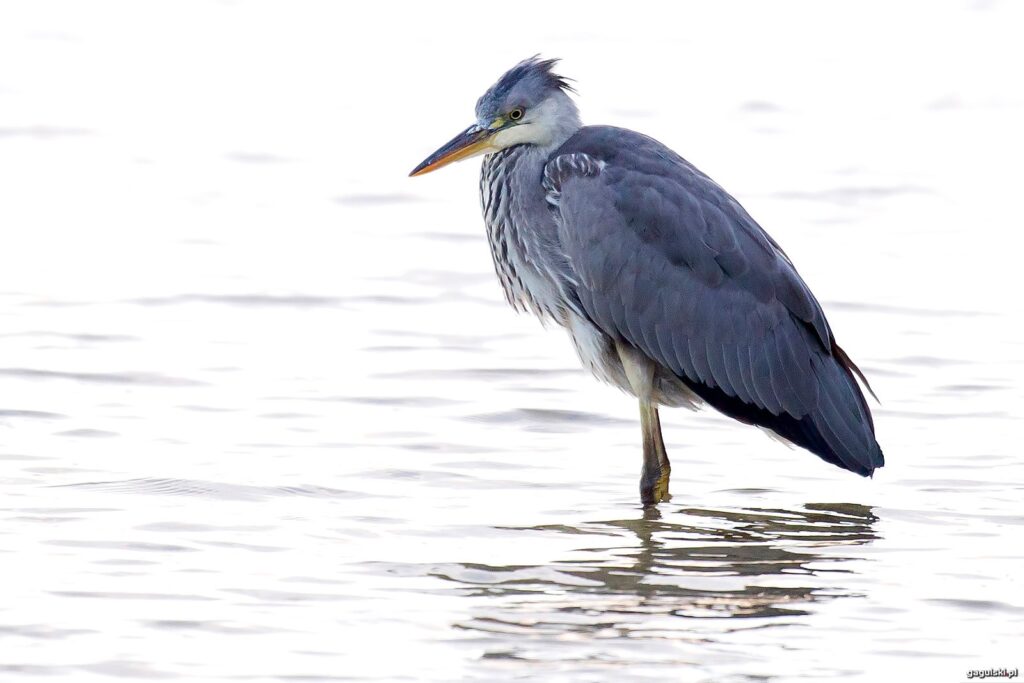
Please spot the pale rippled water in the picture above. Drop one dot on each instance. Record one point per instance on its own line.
(265, 416)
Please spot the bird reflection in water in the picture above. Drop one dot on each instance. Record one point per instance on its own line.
(716, 563)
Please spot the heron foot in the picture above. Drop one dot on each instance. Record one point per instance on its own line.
(654, 485)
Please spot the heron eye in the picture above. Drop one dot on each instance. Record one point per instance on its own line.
(515, 114)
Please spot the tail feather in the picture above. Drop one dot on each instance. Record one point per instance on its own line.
(848, 363)
(843, 416)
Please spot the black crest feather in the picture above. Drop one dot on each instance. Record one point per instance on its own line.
(533, 67)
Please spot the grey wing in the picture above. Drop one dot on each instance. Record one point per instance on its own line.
(666, 260)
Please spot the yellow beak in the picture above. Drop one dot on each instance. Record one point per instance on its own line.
(469, 143)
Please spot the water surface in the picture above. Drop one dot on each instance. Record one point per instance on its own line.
(264, 414)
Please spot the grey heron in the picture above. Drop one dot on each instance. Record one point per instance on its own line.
(666, 285)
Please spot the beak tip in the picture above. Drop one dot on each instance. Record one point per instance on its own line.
(422, 169)
(468, 143)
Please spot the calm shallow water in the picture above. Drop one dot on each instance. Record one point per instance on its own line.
(265, 415)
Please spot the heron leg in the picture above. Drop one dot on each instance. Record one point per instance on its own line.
(640, 371)
(656, 470)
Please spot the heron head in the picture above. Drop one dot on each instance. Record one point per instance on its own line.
(528, 105)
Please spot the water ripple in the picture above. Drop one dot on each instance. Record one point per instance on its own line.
(245, 300)
(32, 414)
(548, 419)
(720, 563)
(853, 194)
(40, 132)
(216, 490)
(129, 377)
(378, 199)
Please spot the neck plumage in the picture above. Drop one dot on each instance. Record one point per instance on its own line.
(562, 120)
